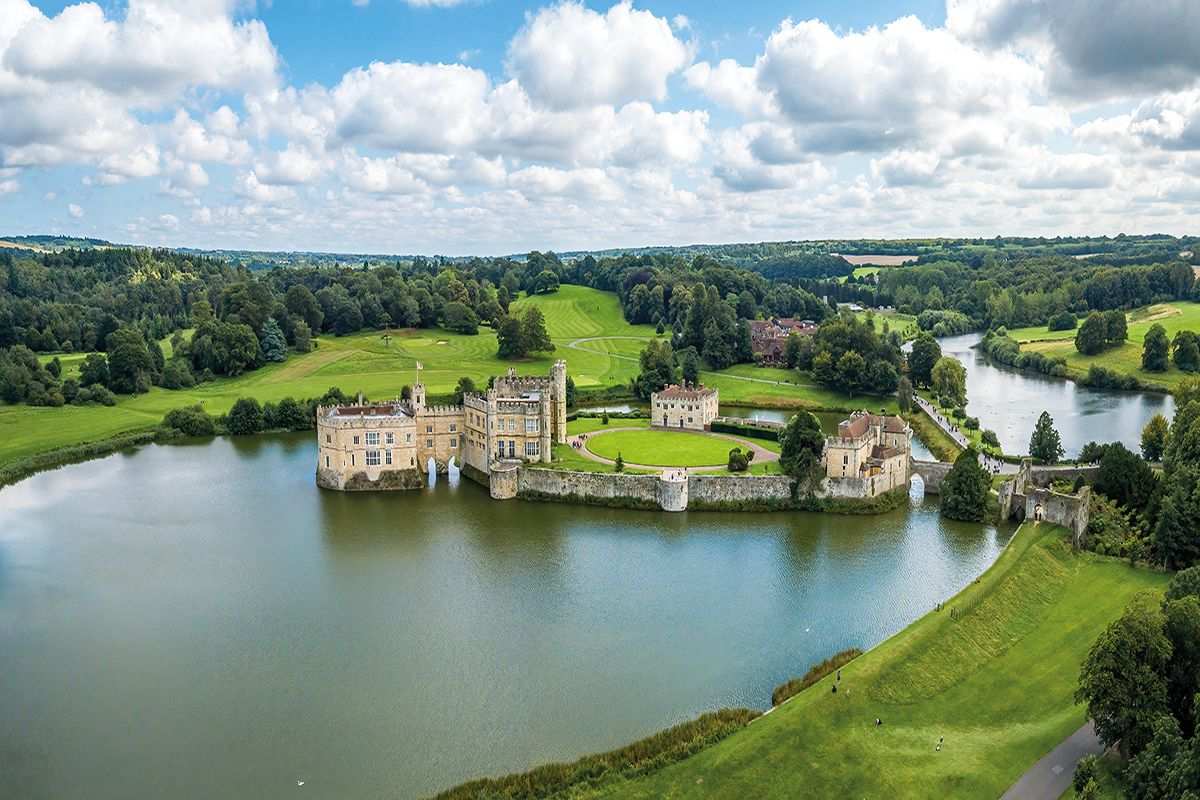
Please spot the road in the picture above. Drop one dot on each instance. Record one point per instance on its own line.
(1050, 777)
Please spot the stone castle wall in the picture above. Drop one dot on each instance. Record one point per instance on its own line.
(729, 491)
(602, 488)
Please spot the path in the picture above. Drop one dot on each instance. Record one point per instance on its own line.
(761, 454)
(1050, 777)
(993, 465)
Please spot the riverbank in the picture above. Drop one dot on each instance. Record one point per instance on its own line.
(993, 672)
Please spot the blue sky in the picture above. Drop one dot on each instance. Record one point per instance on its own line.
(445, 126)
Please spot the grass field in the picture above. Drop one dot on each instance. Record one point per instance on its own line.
(663, 448)
(585, 325)
(996, 682)
(1127, 358)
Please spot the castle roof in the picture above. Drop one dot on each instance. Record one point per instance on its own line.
(861, 421)
(677, 392)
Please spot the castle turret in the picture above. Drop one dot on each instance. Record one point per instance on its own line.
(558, 378)
(418, 393)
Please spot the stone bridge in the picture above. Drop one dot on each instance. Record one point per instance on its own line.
(932, 473)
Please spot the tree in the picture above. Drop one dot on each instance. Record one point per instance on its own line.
(302, 303)
(130, 364)
(302, 336)
(1063, 321)
(54, 367)
(904, 395)
(1185, 583)
(246, 417)
(465, 387)
(1156, 349)
(990, 438)
(851, 371)
(1154, 438)
(1186, 391)
(1168, 768)
(619, 464)
(801, 443)
(964, 490)
(925, 353)
(1182, 626)
(657, 361)
(177, 374)
(1177, 534)
(571, 392)
(1186, 346)
(691, 366)
(1125, 478)
(93, 370)
(1116, 330)
(545, 283)
(460, 319)
(949, 380)
(272, 342)
(508, 338)
(739, 461)
(1092, 336)
(1122, 679)
(1045, 444)
(533, 331)
(190, 421)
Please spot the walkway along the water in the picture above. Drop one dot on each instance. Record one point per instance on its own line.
(1050, 777)
(993, 465)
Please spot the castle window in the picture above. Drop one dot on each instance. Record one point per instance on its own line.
(328, 439)
(372, 458)
(845, 460)
(531, 448)
(512, 424)
(512, 448)
(408, 438)
(531, 426)
(429, 442)
(326, 462)
(387, 457)
(352, 459)
(356, 440)
(389, 438)
(429, 429)
(453, 442)
(453, 427)
(373, 439)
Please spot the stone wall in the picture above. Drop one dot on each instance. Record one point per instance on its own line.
(597, 488)
(385, 480)
(734, 491)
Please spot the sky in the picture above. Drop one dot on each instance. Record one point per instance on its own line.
(483, 127)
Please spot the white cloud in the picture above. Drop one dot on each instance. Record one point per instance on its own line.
(75, 211)
(568, 56)
(907, 168)
(1073, 171)
(9, 187)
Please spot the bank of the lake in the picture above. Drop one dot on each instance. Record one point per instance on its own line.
(243, 630)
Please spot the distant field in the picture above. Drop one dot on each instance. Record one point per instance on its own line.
(879, 260)
(379, 367)
(1127, 358)
(997, 681)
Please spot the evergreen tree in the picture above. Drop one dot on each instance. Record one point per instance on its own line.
(508, 338)
(272, 342)
(533, 332)
(1156, 349)
(801, 443)
(1125, 478)
(464, 387)
(657, 362)
(302, 335)
(1045, 444)
(964, 490)
(619, 464)
(904, 395)
(1177, 534)
(691, 366)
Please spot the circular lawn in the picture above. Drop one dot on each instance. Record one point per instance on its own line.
(657, 448)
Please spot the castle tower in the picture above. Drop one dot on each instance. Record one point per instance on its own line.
(418, 393)
(558, 378)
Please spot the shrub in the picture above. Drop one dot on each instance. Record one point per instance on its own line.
(971, 423)
(739, 461)
(639, 758)
(1063, 321)
(190, 421)
(177, 374)
(246, 417)
(990, 438)
(817, 671)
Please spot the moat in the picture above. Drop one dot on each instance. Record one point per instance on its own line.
(201, 621)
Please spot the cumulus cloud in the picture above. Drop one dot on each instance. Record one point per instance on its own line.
(1092, 47)
(75, 211)
(568, 56)
(1071, 171)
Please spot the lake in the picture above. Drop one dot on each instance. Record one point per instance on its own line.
(199, 621)
(1009, 402)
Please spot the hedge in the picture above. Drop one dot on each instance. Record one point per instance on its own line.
(785, 691)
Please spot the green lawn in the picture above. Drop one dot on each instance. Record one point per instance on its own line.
(589, 424)
(379, 367)
(1127, 358)
(997, 683)
(662, 448)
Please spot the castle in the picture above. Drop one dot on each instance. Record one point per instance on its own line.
(687, 407)
(389, 445)
(870, 452)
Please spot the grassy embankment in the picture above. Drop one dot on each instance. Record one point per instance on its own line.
(379, 367)
(1126, 359)
(996, 680)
